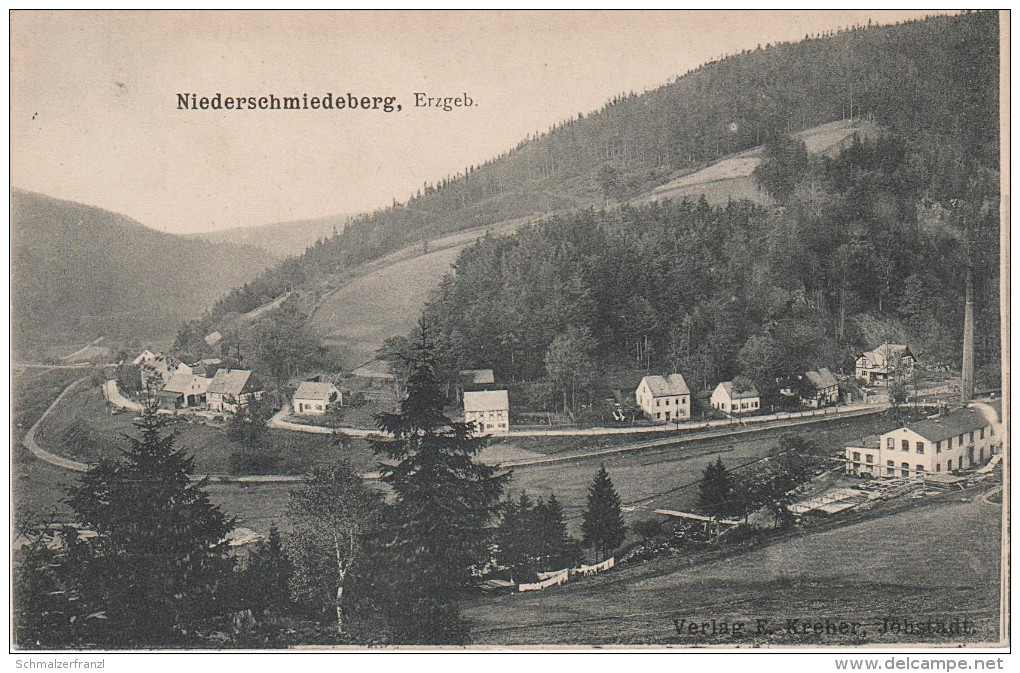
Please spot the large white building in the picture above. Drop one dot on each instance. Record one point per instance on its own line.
(664, 398)
(955, 441)
(489, 410)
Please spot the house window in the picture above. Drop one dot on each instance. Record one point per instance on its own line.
(938, 447)
(870, 458)
(683, 400)
(991, 431)
(904, 469)
(890, 468)
(961, 440)
(890, 443)
(920, 447)
(668, 401)
(905, 445)
(658, 415)
(318, 407)
(938, 467)
(857, 457)
(657, 402)
(920, 468)
(971, 436)
(949, 465)
(981, 433)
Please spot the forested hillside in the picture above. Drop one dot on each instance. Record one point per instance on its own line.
(869, 246)
(79, 272)
(280, 239)
(932, 82)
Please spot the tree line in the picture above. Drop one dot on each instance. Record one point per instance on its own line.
(869, 246)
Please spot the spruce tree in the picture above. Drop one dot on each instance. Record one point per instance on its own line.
(603, 527)
(265, 582)
(154, 567)
(436, 531)
(715, 492)
(557, 548)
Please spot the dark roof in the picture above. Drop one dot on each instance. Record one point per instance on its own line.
(950, 425)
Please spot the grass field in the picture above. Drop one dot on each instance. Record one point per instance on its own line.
(938, 560)
(667, 477)
(84, 414)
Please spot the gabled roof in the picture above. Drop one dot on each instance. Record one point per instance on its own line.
(663, 386)
(313, 390)
(486, 400)
(952, 424)
(144, 356)
(742, 392)
(229, 381)
(880, 356)
(180, 382)
(478, 376)
(822, 378)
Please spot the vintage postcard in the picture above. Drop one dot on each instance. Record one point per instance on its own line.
(510, 330)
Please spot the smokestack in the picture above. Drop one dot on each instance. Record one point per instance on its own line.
(967, 389)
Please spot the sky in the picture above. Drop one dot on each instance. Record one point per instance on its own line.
(95, 118)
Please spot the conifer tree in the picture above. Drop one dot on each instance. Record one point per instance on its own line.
(266, 579)
(159, 555)
(437, 529)
(715, 492)
(603, 527)
(556, 547)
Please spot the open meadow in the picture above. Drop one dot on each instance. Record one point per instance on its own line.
(937, 560)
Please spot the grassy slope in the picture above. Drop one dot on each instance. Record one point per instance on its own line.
(209, 445)
(933, 561)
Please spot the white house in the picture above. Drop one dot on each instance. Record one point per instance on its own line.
(664, 398)
(231, 389)
(489, 410)
(955, 441)
(739, 398)
(312, 398)
(885, 362)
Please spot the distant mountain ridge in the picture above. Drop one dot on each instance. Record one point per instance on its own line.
(280, 239)
(79, 272)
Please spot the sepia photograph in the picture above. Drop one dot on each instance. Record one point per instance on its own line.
(510, 331)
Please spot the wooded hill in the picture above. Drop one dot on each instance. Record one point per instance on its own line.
(279, 239)
(79, 272)
(934, 79)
